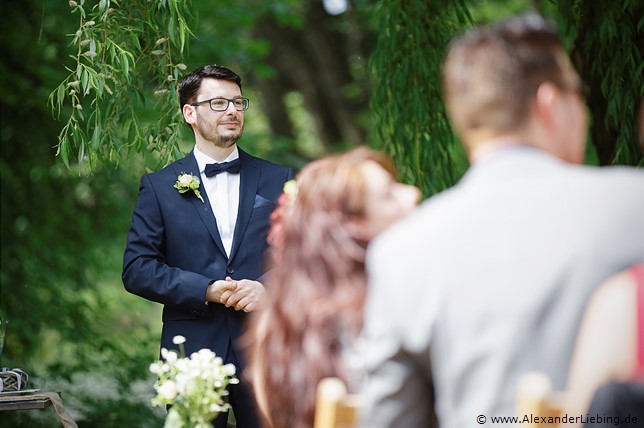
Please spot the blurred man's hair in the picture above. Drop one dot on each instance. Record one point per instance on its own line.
(491, 73)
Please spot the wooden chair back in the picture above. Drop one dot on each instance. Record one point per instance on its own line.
(335, 407)
(536, 399)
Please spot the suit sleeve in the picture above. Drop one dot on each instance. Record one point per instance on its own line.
(145, 271)
(398, 388)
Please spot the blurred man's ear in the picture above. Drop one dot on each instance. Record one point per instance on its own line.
(545, 104)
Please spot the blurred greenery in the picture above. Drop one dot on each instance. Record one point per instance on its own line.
(607, 47)
(318, 83)
(413, 127)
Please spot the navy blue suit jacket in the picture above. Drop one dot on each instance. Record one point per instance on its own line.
(174, 250)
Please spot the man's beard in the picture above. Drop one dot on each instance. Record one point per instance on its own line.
(209, 132)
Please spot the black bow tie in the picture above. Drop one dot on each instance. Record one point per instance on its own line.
(213, 169)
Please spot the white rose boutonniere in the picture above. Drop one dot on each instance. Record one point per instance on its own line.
(186, 182)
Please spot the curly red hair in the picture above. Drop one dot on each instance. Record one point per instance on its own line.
(316, 288)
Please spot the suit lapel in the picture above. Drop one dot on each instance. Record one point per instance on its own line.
(189, 165)
(248, 181)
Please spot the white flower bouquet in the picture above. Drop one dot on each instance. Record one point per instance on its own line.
(194, 386)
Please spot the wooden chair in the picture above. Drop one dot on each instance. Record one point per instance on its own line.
(334, 407)
(536, 398)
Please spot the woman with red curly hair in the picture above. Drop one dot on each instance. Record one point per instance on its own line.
(320, 231)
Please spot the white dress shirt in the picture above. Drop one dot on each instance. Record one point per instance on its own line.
(223, 194)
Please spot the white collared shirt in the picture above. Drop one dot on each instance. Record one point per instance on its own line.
(223, 194)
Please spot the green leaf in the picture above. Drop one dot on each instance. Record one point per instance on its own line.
(171, 31)
(182, 34)
(85, 81)
(96, 137)
(81, 153)
(63, 150)
(60, 98)
(126, 65)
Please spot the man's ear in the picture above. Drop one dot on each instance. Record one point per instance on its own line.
(545, 103)
(189, 114)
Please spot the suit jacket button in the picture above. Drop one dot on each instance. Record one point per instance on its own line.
(230, 270)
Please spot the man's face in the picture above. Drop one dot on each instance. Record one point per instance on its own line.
(221, 128)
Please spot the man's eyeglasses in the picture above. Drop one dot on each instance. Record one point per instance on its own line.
(221, 104)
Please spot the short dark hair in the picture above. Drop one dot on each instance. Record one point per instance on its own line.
(189, 87)
(491, 73)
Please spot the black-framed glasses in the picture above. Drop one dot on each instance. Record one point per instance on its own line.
(221, 104)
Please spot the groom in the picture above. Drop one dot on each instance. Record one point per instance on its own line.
(198, 233)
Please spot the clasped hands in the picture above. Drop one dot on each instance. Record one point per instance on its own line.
(243, 295)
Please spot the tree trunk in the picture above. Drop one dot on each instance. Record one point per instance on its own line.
(315, 61)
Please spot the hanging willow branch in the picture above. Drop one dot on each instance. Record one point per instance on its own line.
(125, 54)
(407, 101)
(608, 52)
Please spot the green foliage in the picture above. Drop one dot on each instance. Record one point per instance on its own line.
(126, 54)
(71, 326)
(411, 118)
(485, 11)
(608, 51)
(125, 51)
